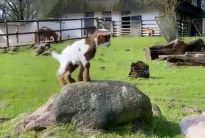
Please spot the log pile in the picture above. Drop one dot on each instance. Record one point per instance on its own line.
(189, 58)
(179, 53)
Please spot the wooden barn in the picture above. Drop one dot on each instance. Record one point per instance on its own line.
(131, 17)
(121, 17)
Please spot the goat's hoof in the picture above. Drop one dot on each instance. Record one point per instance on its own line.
(80, 79)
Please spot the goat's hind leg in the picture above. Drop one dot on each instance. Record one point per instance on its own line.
(61, 80)
(67, 75)
(61, 75)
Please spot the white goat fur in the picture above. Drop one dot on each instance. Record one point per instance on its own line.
(74, 54)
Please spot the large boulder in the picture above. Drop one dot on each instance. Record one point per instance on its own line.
(100, 104)
(90, 105)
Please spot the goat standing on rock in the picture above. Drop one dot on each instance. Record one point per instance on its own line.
(79, 54)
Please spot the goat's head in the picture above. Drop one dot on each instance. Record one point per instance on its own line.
(103, 37)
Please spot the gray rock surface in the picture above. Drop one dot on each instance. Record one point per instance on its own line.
(100, 104)
(193, 126)
(156, 110)
(38, 120)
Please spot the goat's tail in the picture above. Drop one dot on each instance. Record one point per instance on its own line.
(55, 55)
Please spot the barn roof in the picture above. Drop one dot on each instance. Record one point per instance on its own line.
(58, 8)
(61, 7)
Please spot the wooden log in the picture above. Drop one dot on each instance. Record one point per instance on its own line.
(186, 59)
(165, 57)
(176, 47)
(196, 46)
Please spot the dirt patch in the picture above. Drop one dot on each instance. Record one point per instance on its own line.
(3, 105)
(187, 110)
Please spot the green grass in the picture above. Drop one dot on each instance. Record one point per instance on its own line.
(26, 82)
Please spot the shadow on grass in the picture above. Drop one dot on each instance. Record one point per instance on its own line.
(161, 127)
(158, 127)
(151, 77)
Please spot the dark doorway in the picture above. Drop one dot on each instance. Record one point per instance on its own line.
(126, 25)
(196, 28)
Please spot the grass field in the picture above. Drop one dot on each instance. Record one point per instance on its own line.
(26, 82)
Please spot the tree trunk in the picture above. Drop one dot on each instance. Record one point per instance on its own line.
(176, 47)
(192, 59)
(168, 27)
(21, 10)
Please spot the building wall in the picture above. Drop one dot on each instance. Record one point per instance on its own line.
(72, 25)
(32, 27)
(147, 21)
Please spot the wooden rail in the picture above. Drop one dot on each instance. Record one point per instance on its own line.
(60, 30)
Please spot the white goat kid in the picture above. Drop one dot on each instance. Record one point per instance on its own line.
(79, 54)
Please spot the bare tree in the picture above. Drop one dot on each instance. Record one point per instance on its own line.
(18, 9)
(167, 20)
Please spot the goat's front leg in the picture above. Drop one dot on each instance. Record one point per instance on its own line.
(86, 75)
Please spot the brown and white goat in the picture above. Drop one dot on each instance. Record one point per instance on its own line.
(79, 54)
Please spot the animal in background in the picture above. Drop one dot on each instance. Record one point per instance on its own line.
(45, 35)
(150, 31)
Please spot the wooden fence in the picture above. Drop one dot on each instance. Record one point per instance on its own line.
(83, 30)
(139, 28)
(134, 28)
(118, 28)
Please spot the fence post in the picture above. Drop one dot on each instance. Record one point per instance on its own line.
(17, 37)
(141, 27)
(81, 28)
(38, 35)
(60, 29)
(113, 29)
(7, 34)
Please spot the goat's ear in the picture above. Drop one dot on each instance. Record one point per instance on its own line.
(103, 33)
(99, 34)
